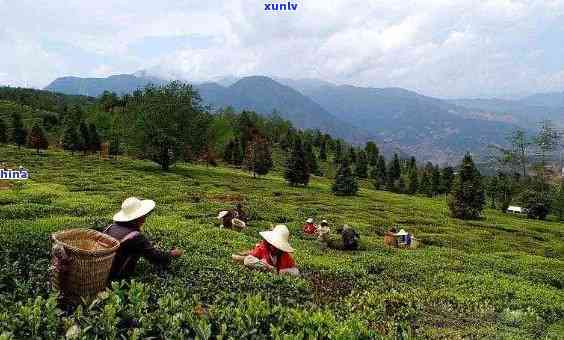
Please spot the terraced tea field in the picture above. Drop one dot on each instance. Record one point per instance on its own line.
(502, 276)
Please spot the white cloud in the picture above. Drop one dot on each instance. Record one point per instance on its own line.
(438, 47)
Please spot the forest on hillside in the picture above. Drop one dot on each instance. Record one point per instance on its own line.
(168, 123)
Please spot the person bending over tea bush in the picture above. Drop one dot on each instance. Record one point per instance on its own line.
(273, 253)
(309, 227)
(233, 219)
(127, 229)
(350, 238)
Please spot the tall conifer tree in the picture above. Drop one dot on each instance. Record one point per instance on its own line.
(19, 133)
(345, 183)
(3, 132)
(467, 198)
(297, 169)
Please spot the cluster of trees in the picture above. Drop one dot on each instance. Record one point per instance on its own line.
(524, 177)
(404, 176)
(83, 137)
(168, 123)
(525, 173)
(35, 138)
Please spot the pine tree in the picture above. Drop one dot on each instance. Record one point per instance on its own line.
(228, 152)
(311, 159)
(115, 149)
(337, 151)
(3, 132)
(412, 164)
(447, 176)
(345, 183)
(246, 126)
(425, 184)
(467, 198)
(435, 180)
(413, 182)
(323, 149)
(361, 168)
(394, 171)
(379, 173)
(71, 139)
(372, 153)
(491, 190)
(84, 137)
(19, 134)
(94, 143)
(297, 169)
(352, 155)
(37, 138)
(237, 155)
(258, 156)
(401, 185)
(318, 138)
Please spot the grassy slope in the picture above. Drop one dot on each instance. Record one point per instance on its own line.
(500, 275)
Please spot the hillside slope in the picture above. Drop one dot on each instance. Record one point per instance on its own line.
(264, 95)
(526, 112)
(428, 127)
(498, 277)
(260, 94)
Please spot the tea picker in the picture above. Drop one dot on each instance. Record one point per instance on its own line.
(272, 254)
(233, 219)
(309, 227)
(400, 239)
(84, 260)
(133, 244)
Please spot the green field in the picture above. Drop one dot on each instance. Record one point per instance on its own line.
(499, 277)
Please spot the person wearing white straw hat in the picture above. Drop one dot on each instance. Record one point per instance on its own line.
(273, 253)
(233, 219)
(322, 232)
(404, 238)
(133, 244)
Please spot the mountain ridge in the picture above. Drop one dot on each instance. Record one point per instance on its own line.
(440, 130)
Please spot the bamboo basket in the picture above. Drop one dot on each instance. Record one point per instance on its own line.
(82, 260)
(390, 241)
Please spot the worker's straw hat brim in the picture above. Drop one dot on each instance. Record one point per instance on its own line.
(402, 233)
(278, 237)
(142, 208)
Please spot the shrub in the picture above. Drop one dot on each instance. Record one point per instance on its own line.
(536, 202)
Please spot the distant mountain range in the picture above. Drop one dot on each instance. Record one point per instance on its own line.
(525, 112)
(397, 119)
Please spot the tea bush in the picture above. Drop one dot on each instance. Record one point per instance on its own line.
(498, 277)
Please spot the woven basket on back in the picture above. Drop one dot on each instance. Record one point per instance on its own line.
(82, 260)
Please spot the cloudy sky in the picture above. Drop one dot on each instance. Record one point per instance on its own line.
(437, 47)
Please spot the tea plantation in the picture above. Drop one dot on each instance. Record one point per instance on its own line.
(498, 277)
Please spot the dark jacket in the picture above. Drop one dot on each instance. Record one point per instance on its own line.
(133, 246)
(226, 221)
(350, 239)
